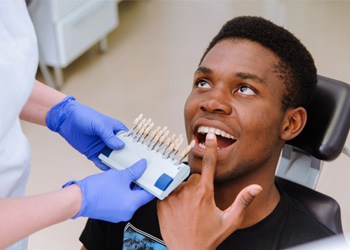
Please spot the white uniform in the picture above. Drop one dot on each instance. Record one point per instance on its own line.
(18, 65)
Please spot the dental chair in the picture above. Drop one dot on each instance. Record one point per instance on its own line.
(322, 139)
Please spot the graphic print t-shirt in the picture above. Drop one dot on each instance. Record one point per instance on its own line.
(137, 239)
(290, 224)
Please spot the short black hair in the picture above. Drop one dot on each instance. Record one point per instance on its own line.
(296, 68)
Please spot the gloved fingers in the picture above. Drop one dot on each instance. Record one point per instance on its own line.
(119, 126)
(113, 142)
(107, 196)
(142, 196)
(136, 170)
(107, 134)
(98, 163)
(138, 193)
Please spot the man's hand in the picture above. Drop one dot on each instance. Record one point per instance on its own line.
(189, 217)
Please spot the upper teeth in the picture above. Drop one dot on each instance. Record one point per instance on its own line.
(205, 130)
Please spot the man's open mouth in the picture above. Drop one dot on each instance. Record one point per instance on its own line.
(224, 139)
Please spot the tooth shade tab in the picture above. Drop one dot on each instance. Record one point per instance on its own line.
(159, 139)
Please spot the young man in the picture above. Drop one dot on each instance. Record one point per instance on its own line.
(250, 90)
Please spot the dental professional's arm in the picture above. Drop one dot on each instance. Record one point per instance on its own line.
(88, 197)
(189, 218)
(42, 99)
(85, 129)
(21, 217)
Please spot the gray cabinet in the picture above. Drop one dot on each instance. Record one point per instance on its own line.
(67, 28)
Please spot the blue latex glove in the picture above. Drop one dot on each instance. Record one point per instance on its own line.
(111, 195)
(85, 129)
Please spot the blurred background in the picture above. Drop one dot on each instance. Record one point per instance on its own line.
(139, 57)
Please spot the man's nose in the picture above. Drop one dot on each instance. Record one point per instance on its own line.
(217, 101)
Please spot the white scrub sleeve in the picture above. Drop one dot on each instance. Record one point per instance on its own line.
(18, 61)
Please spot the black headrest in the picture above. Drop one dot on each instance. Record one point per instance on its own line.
(324, 208)
(328, 120)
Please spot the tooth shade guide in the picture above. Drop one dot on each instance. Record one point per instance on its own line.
(185, 152)
(167, 143)
(158, 139)
(162, 138)
(135, 124)
(147, 131)
(141, 132)
(153, 135)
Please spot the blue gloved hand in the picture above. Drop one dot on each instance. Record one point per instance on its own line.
(111, 195)
(87, 130)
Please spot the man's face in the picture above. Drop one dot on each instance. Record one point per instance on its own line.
(237, 95)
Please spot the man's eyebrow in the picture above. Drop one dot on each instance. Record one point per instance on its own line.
(204, 70)
(245, 75)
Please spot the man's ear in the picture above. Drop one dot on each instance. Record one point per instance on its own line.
(293, 123)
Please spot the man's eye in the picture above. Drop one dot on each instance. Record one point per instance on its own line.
(246, 90)
(203, 84)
